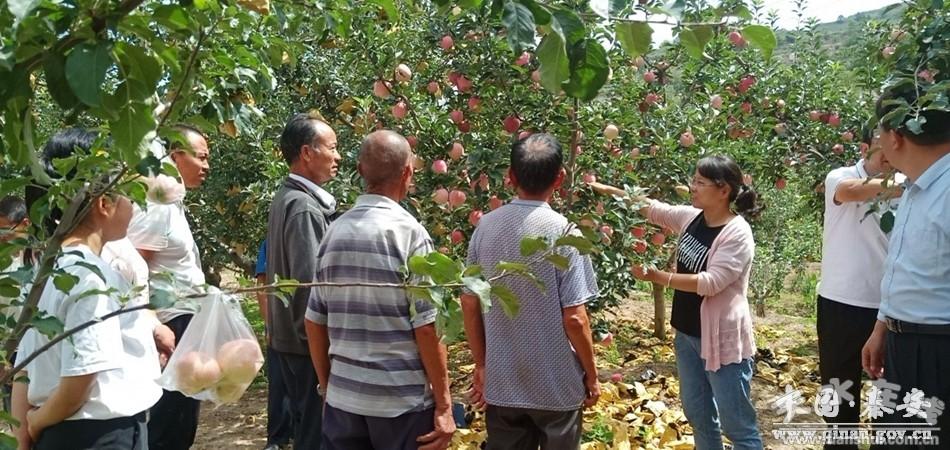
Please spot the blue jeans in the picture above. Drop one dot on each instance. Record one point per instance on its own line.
(709, 397)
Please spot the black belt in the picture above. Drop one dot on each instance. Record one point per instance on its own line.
(898, 326)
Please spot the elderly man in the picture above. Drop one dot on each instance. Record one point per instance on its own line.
(163, 237)
(535, 390)
(298, 221)
(910, 344)
(382, 366)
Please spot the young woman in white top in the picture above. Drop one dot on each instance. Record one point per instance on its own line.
(90, 391)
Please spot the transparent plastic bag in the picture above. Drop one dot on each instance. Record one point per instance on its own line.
(218, 356)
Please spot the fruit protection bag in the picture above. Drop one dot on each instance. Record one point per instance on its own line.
(218, 356)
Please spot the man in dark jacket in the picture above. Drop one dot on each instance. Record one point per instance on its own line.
(299, 217)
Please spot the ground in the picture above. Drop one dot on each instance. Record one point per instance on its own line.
(642, 411)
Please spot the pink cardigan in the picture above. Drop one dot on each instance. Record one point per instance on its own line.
(724, 315)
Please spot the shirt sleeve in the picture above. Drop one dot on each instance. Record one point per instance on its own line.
(674, 217)
(96, 348)
(578, 283)
(425, 311)
(149, 229)
(316, 308)
(832, 180)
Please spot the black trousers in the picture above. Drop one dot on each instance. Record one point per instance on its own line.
(173, 421)
(527, 429)
(123, 433)
(280, 424)
(306, 406)
(347, 431)
(842, 331)
(919, 361)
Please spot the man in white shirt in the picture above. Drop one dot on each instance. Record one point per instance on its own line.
(163, 237)
(852, 263)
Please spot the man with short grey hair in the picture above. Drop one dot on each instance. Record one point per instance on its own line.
(535, 390)
(299, 217)
(382, 364)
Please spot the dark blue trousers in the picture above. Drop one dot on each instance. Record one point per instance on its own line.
(280, 425)
(346, 431)
(306, 406)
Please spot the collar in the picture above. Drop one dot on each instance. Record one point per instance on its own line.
(321, 193)
(862, 172)
(935, 171)
(530, 203)
(376, 201)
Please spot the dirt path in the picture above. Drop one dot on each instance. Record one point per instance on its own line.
(790, 358)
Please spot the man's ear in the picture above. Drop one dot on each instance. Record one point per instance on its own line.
(559, 179)
(512, 179)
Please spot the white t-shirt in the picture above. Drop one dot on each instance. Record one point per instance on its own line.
(854, 247)
(164, 230)
(5, 302)
(118, 350)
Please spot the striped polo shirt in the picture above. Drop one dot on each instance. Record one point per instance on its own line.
(375, 367)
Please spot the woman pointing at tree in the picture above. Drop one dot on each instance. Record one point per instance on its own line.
(714, 343)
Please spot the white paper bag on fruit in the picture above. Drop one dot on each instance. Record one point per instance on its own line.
(218, 356)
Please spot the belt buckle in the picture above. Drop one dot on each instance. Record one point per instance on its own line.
(894, 325)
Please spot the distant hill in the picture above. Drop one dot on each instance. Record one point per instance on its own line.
(840, 33)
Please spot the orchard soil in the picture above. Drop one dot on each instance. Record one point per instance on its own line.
(642, 411)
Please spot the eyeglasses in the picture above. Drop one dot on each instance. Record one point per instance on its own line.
(701, 183)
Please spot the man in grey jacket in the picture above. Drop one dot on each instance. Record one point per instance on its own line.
(299, 217)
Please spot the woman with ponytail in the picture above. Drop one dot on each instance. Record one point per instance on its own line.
(714, 343)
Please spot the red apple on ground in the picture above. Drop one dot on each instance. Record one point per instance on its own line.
(434, 88)
(746, 108)
(746, 83)
(651, 98)
(847, 136)
(608, 339)
(616, 378)
(640, 247)
(834, 120)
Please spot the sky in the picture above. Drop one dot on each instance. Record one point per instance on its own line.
(823, 10)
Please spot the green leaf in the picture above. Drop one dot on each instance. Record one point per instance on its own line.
(162, 299)
(509, 301)
(139, 65)
(9, 291)
(582, 245)
(440, 268)
(92, 268)
(761, 37)
(65, 282)
(481, 288)
(559, 261)
(519, 21)
(470, 4)
(694, 39)
(134, 122)
(635, 37)
(472, 271)
(887, 221)
(418, 265)
(568, 25)
(555, 68)
(589, 70)
(541, 15)
(7, 442)
(530, 245)
(520, 269)
(57, 84)
(388, 6)
(48, 326)
(86, 68)
(175, 18)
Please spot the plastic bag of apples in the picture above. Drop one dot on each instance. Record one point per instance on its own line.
(218, 356)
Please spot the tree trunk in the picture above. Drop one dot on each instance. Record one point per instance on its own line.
(760, 307)
(659, 311)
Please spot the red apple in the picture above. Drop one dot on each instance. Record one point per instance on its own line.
(457, 198)
(524, 135)
(780, 184)
(381, 89)
(464, 127)
(651, 98)
(447, 42)
(494, 203)
(440, 166)
(746, 83)
(400, 109)
(403, 73)
(649, 76)
(512, 123)
(638, 232)
(464, 84)
(589, 178)
(483, 181)
(524, 59)
(457, 151)
(847, 136)
(454, 77)
(474, 217)
(658, 238)
(814, 115)
(640, 247)
(837, 149)
(616, 378)
(536, 76)
(607, 230)
(457, 116)
(474, 103)
(434, 88)
(746, 108)
(607, 340)
(834, 120)
(457, 237)
(687, 139)
(413, 141)
(715, 102)
(736, 38)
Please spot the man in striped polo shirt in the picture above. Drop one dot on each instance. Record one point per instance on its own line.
(384, 368)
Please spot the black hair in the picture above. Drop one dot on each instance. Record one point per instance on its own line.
(13, 209)
(723, 170)
(300, 130)
(536, 161)
(867, 132)
(935, 126)
(63, 145)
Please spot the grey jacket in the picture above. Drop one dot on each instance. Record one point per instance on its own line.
(296, 225)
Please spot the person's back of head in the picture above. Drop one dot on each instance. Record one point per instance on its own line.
(12, 217)
(536, 163)
(385, 163)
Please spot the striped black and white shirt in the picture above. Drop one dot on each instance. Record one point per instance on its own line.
(375, 368)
